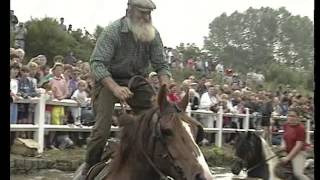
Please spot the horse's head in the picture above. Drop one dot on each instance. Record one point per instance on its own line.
(163, 140)
(248, 150)
(178, 137)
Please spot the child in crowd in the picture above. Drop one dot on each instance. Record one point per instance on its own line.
(60, 91)
(26, 90)
(73, 83)
(81, 96)
(14, 71)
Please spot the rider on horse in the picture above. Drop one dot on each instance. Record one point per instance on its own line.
(124, 50)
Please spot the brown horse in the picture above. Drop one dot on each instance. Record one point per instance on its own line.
(157, 145)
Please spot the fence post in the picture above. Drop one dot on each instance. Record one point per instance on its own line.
(39, 119)
(246, 120)
(308, 131)
(219, 126)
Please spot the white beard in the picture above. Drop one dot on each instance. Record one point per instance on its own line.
(144, 32)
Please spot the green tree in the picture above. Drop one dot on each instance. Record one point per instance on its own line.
(45, 37)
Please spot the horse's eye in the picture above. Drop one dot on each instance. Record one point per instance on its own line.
(167, 132)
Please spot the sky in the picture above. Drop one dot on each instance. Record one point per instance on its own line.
(177, 21)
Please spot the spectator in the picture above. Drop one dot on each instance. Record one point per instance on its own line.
(60, 91)
(70, 28)
(34, 68)
(14, 71)
(73, 82)
(70, 59)
(202, 88)
(61, 25)
(266, 111)
(26, 90)
(194, 99)
(20, 36)
(173, 96)
(45, 76)
(13, 21)
(81, 96)
(153, 78)
(20, 53)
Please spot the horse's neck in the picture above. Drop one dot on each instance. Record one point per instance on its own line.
(272, 162)
(134, 170)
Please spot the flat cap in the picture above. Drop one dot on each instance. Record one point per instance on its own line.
(142, 5)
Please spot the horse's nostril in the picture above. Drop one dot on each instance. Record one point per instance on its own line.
(199, 176)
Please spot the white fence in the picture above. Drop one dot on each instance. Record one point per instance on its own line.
(39, 127)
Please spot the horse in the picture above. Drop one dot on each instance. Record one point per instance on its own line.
(253, 152)
(160, 143)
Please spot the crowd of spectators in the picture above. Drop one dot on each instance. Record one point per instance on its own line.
(234, 98)
(68, 78)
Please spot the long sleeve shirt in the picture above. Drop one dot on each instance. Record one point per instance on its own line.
(59, 87)
(207, 101)
(119, 55)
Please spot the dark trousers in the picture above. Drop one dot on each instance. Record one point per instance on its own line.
(103, 107)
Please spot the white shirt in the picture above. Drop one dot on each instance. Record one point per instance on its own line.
(206, 101)
(81, 97)
(14, 86)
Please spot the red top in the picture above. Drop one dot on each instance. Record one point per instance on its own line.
(292, 134)
(173, 97)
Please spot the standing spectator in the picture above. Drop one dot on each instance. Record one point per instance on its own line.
(61, 25)
(34, 68)
(173, 96)
(266, 111)
(73, 82)
(26, 90)
(70, 59)
(14, 71)
(194, 99)
(153, 78)
(60, 91)
(13, 21)
(45, 76)
(20, 36)
(20, 53)
(202, 88)
(81, 96)
(70, 28)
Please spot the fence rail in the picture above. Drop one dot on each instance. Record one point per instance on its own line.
(39, 126)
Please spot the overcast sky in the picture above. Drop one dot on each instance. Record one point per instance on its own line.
(177, 20)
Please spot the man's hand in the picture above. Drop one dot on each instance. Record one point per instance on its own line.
(122, 92)
(284, 160)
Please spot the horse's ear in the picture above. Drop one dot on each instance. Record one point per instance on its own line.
(184, 101)
(162, 97)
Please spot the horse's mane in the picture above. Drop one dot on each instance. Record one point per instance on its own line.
(130, 139)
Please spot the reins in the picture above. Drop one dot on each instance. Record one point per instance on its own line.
(262, 162)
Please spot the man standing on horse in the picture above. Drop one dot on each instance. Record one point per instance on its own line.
(124, 50)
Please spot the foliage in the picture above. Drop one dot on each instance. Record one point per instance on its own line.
(189, 51)
(45, 37)
(259, 37)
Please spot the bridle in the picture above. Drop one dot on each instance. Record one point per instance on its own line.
(159, 137)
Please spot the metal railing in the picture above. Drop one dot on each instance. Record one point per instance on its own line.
(39, 127)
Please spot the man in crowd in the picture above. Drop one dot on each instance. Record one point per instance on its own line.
(13, 21)
(21, 33)
(124, 49)
(62, 26)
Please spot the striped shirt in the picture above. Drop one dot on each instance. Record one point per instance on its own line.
(118, 55)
